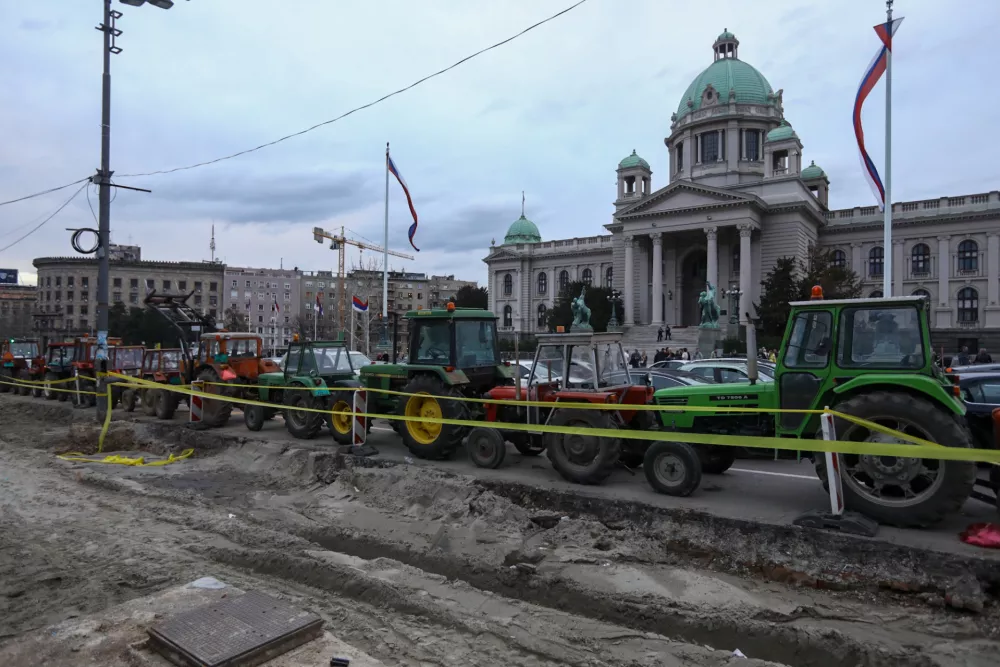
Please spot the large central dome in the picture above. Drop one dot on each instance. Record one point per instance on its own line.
(727, 73)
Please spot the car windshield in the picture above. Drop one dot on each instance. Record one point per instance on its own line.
(24, 350)
(475, 343)
(358, 360)
(127, 357)
(880, 337)
(65, 353)
(581, 366)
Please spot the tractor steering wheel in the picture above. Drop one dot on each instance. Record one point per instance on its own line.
(436, 352)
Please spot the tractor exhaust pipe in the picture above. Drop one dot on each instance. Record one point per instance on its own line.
(751, 351)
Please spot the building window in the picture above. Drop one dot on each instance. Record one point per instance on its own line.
(166, 285)
(922, 292)
(508, 316)
(710, 147)
(234, 284)
(150, 284)
(609, 275)
(563, 281)
(69, 309)
(920, 258)
(876, 261)
(197, 288)
(288, 297)
(968, 257)
(84, 296)
(58, 295)
(58, 281)
(508, 284)
(117, 282)
(69, 295)
(182, 285)
(133, 298)
(213, 300)
(117, 297)
(288, 286)
(286, 319)
(839, 259)
(968, 304)
(84, 281)
(133, 283)
(543, 282)
(84, 310)
(751, 145)
(70, 280)
(83, 323)
(260, 306)
(197, 299)
(588, 277)
(213, 287)
(877, 294)
(542, 312)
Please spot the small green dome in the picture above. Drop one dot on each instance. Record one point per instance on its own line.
(633, 160)
(522, 230)
(725, 35)
(727, 74)
(812, 171)
(783, 131)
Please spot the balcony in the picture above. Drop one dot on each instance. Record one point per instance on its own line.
(968, 266)
(921, 208)
(924, 268)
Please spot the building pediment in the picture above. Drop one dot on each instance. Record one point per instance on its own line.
(684, 196)
(501, 254)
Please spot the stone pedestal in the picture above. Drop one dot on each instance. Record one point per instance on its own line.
(709, 340)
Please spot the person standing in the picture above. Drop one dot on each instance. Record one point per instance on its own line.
(666, 332)
(659, 335)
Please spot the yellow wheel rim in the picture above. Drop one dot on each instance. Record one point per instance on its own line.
(425, 407)
(342, 423)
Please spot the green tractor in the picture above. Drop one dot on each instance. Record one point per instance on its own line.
(868, 358)
(323, 370)
(450, 352)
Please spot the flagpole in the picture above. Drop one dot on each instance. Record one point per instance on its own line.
(385, 244)
(887, 210)
(353, 310)
(315, 322)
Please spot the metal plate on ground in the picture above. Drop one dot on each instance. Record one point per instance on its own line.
(243, 631)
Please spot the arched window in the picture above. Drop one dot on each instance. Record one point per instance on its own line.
(542, 312)
(968, 304)
(563, 281)
(508, 284)
(922, 292)
(588, 277)
(543, 283)
(876, 261)
(508, 316)
(609, 275)
(920, 259)
(838, 258)
(877, 294)
(968, 256)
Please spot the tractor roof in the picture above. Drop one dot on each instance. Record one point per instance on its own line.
(229, 335)
(457, 314)
(319, 343)
(579, 338)
(879, 301)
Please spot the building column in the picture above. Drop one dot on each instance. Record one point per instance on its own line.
(745, 282)
(712, 254)
(993, 268)
(629, 279)
(897, 268)
(944, 270)
(856, 265)
(657, 239)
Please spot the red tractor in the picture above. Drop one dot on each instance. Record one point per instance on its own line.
(20, 359)
(84, 356)
(581, 367)
(165, 366)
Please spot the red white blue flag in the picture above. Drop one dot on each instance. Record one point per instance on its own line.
(275, 308)
(359, 305)
(391, 166)
(319, 305)
(873, 73)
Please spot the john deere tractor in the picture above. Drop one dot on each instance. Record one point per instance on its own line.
(322, 370)
(869, 358)
(451, 352)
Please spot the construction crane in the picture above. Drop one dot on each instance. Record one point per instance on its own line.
(339, 243)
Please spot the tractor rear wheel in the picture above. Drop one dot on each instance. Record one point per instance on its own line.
(214, 411)
(582, 458)
(25, 389)
(673, 468)
(342, 425)
(428, 440)
(299, 422)
(905, 492)
(128, 400)
(166, 404)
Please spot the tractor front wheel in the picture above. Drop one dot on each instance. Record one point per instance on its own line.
(342, 425)
(128, 400)
(673, 468)
(431, 399)
(581, 457)
(486, 447)
(166, 404)
(214, 411)
(48, 389)
(904, 492)
(253, 417)
(299, 420)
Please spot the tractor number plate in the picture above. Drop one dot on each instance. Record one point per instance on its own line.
(321, 392)
(732, 397)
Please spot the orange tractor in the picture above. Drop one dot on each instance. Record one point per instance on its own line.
(165, 366)
(575, 367)
(21, 359)
(59, 358)
(84, 357)
(127, 360)
(229, 357)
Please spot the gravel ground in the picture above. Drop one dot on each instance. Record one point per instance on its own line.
(411, 565)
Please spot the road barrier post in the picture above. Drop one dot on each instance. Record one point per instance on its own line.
(834, 481)
(195, 414)
(360, 427)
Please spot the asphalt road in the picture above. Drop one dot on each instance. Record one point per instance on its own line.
(762, 490)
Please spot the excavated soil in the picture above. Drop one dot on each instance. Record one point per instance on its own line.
(415, 566)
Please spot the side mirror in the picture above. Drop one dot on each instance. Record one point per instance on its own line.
(648, 379)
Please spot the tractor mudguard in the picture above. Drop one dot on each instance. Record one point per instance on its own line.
(894, 382)
(448, 378)
(347, 384)
(228, 375)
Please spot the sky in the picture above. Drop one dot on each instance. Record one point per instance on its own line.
(550, 113)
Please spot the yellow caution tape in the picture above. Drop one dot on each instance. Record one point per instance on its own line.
(115, 459)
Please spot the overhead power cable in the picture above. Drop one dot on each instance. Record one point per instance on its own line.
(42, 223)
(362, 107)
(43, 192)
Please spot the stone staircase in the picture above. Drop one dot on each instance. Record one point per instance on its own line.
(643, 338)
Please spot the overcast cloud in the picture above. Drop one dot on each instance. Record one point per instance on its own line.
(551, 113)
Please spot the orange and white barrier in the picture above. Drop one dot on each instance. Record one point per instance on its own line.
(196, 410)
(360, 421)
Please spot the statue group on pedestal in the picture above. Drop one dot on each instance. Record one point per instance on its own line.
(709, 308)
(581, 313)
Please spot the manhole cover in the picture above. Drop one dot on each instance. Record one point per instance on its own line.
(239, 632)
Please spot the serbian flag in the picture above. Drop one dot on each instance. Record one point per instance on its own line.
(319, 305)
(406, 191)
(873, 73)
(275, 308)
(359, 305)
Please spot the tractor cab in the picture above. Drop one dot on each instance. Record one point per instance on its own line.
(59, 357)
(163, 365)
(235, 354)
(460, 340)
(127, 359)
(20, 359)
(15, 349)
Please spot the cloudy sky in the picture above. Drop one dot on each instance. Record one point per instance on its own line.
(550, 113)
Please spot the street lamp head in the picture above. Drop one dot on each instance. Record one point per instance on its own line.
(162, 4)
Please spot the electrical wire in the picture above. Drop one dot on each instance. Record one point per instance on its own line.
(42, 223)
(362, 107)
(43, 192)
(92, 208)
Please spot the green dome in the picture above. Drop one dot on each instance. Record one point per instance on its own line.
(727, 74)
(633, 160)
(725, 34)
(522, 230)
(783, 131)
(812, 171)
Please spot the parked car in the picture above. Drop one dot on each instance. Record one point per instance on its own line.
(669, 364)
(659, 378)
(726, 371)
(981, 393)
(359, 359)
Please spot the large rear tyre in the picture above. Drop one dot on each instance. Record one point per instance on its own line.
(166, 404)
(253, 417)
(342, 425)
(905, 492)
(582, 458)
(716, 460)
(149, 401)
(215, 412)
(429, 440)
(486, 447)
(24, 389)
(129, 400)
(302, 423)
(673, 468)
